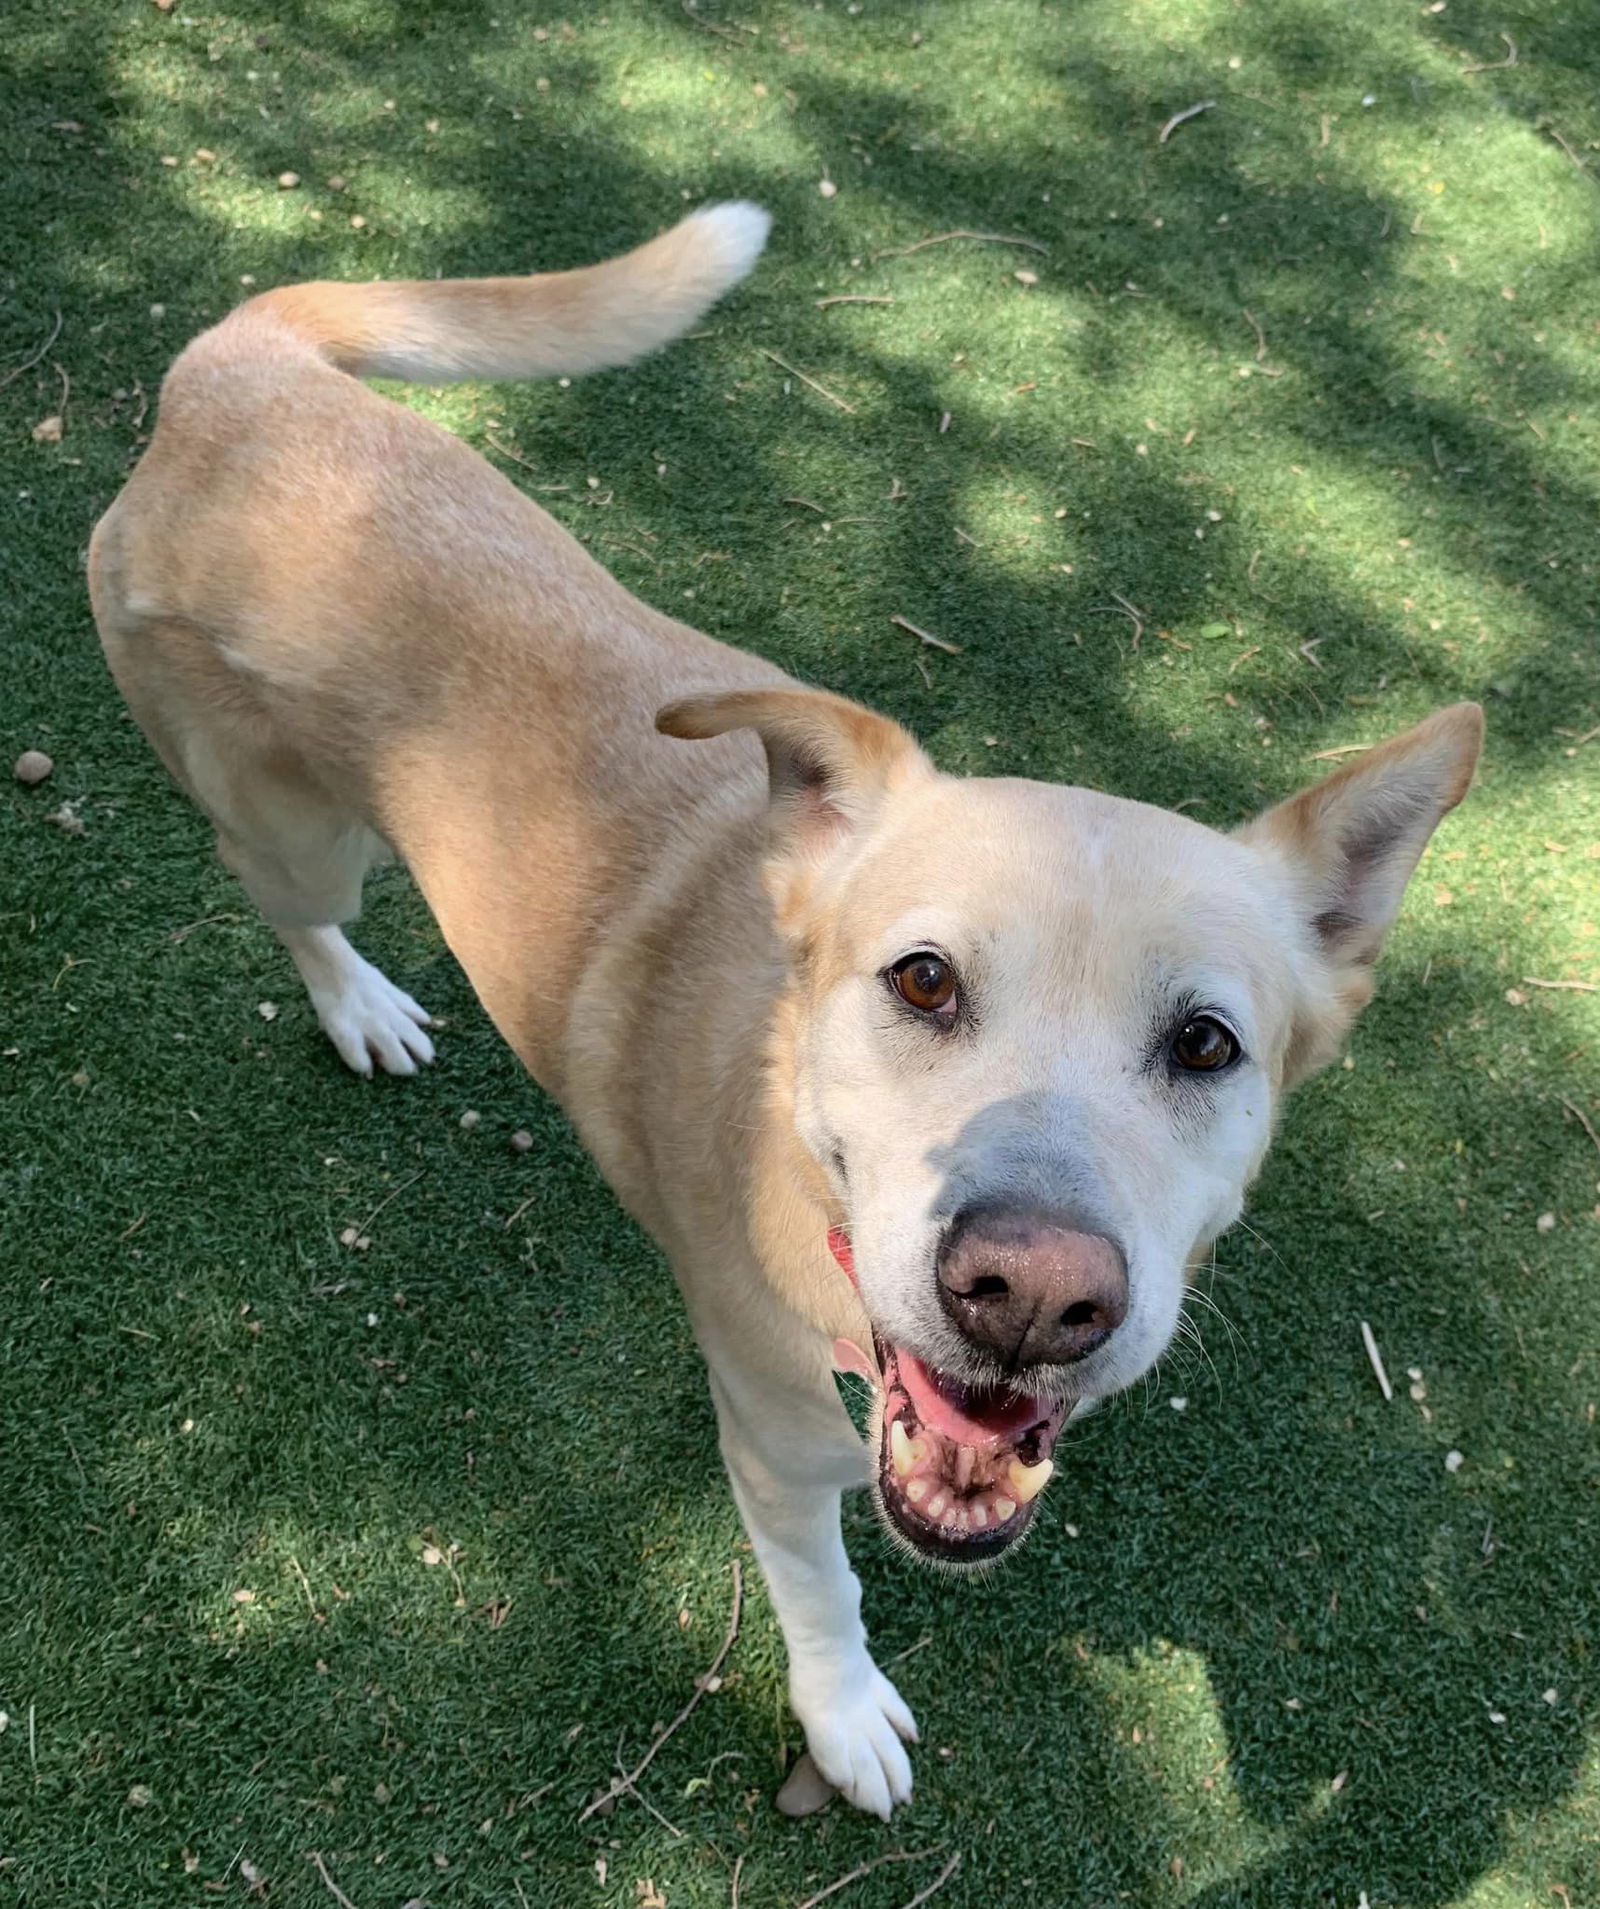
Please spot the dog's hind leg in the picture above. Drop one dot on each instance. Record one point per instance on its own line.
(299, 852)
(791, 1451)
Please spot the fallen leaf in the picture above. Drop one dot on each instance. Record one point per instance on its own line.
(49, 430)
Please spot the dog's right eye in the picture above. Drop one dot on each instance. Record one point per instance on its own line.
(926, 982)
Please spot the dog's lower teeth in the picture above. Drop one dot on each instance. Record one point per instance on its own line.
(1003, 1509)
(980, 1514)
(937, 1503)
(1027, 1481)
(917, 1490)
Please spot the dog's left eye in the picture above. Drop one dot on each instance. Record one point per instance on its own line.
(926, 982)
(1204, 1045)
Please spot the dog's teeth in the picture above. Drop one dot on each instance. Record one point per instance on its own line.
(952, 1517)
(1003, 1508)
(902, 1451)
(980, 1514)
(1027, 1481)
(917, 1490)
(937, 1503)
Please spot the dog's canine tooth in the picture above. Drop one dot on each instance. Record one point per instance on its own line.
(902, 1450)
(1003, 1508)
(917, 1490)
(1027, 1481)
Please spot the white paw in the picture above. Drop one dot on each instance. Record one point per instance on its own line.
(857, 1726)
(369, 1019)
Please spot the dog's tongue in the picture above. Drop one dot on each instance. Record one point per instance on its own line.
(968, 1415)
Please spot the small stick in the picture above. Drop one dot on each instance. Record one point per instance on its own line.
(1177, 119)
(927, 636)
(1494, 66)
(1578, 987)
(1376, 1357)
(1123, 608)
(832, 397)
(627, 1781)
(29, 363)
(966, 539)
(938, 1882)
(1583, 1121)
(304, 1585)
(506, 451)
(866, 1869)
(639, 1796)
(181, 935)
(852, 298)
(910, 1650)
(1261, 336)
(322, 1871)
(1244, 656)
(806, 504)
(709, 26)
(393, 1196)
(66, 389)
(519, 1212)
(1344, 749)
(980, 238)
(1566, 146)
(733, 1899)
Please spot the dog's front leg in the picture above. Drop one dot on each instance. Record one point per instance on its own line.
(791, 1450)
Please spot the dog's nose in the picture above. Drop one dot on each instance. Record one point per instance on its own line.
(1029, 1286)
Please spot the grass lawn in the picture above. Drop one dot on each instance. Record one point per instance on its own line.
(1274, 436)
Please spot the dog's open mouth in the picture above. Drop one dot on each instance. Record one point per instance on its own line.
(959, 1467)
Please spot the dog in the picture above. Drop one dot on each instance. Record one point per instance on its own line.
(948, 1082)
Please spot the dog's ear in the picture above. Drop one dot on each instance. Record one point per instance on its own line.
(830, 764)
(1351, 843)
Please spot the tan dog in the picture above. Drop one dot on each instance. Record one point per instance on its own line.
(1009, 1053)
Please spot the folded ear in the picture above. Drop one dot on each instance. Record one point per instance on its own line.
(830, 765)
(1352, 842)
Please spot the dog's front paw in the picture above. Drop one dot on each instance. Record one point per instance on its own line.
(857, 1726)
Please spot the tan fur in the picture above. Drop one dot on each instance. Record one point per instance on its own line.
(345, 633)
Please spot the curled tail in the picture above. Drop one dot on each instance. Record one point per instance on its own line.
(433, 331)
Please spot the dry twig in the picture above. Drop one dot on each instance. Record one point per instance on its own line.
(1122, 607)
(322, 1871)
(1583, 1121)
(1261, 336)
(1494, 66)
(1576, 987)
(367, 1222)
(1569, 149)
(944, 238)
(938, 1882)
(1344, 749)
(832, 397)
(852, 298)
(618, 1785)
(710, 26)
(866, 1869)
(933, 642)
(1177, 119)
(1376, 1358)
(29, 363)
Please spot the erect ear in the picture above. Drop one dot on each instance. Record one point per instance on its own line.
(1351, 844)
(830, 764)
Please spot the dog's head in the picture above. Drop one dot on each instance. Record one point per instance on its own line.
(1040, 1036)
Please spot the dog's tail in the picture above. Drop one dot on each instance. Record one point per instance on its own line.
(558, 323)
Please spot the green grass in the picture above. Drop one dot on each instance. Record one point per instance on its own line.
(1281, 1656)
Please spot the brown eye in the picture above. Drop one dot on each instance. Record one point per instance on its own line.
(1204, 1045)
(926, 982)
